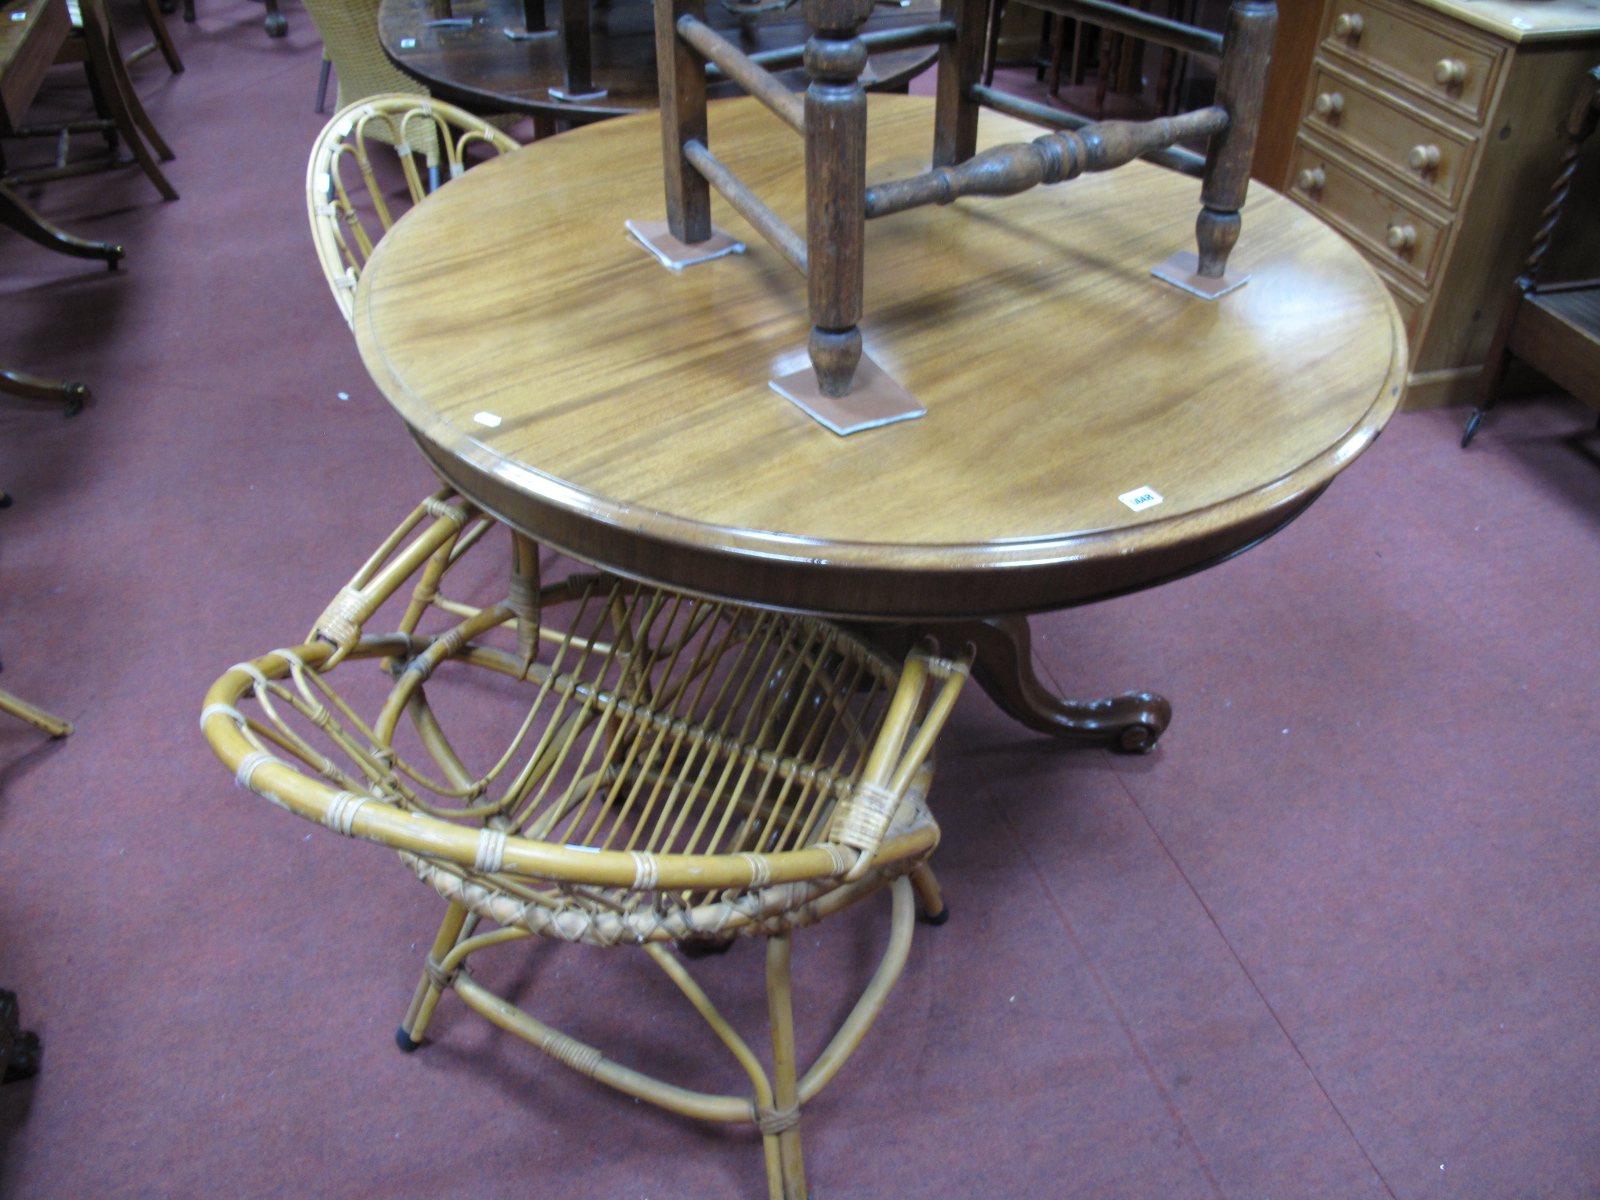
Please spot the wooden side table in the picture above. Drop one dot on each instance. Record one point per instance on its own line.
(1427, 133)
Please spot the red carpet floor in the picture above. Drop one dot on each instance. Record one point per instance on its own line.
(1338, 937)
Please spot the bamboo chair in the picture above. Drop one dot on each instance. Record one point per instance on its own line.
(93, 43)
(1553, 327)
(345, 231)
(832, 121)
(687, 772)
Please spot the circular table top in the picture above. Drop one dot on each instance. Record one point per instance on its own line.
(479, 67)
(636, 428)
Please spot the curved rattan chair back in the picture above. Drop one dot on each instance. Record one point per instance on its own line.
(348, 209)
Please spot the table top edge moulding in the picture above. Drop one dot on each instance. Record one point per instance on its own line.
(1084, 377)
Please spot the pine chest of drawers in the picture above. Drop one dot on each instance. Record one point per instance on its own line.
(1429, 134)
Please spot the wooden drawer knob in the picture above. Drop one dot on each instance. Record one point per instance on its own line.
(1423, 158)
(1402, 237)
(1311, 179)
(1349, 26)
(1448, 71)
(1328, 104)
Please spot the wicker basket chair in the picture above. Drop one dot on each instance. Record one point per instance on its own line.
(349, 32)
(343, 230)
(686, 772)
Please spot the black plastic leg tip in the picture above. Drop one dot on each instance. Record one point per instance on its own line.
(938, 918)
(403, 1040)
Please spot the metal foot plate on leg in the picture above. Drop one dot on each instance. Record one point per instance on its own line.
(1182, 270)
(875, 398)
(656, 237)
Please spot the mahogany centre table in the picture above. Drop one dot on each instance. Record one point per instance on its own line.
(565, 381)
(461, 52)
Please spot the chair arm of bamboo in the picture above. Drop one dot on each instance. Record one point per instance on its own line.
(737, 66)
(864, 820)
(377, 580)
(1054, 158)
(239, 746)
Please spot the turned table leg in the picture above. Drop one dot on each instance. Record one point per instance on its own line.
(1131, 722)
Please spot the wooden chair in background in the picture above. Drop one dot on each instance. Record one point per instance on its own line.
(347, 220)
(122, 118)
(161, 39)
(686, 772)
(831, 119)
(1118, 58)
(1553, 327)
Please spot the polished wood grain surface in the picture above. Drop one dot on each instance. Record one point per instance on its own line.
(637, 428)
(476, 65)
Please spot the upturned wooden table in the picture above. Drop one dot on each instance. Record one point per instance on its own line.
(565, 381)
(606, 50)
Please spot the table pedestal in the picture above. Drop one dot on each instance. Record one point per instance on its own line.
(1131, 722)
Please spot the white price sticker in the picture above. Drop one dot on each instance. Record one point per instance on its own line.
(1141, 498)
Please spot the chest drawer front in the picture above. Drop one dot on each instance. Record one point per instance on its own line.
(1448, 66)
(1410, 306)
(1426, 153)
(1399, 235)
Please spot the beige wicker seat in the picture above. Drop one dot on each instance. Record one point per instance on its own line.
(344, 226)
(349, 31)
(682, 771)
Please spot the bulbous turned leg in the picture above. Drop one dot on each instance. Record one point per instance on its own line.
(834, 356)
(1216, 232)
(1131, 723)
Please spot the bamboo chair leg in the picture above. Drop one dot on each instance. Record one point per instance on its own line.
(426, 998)
(785, 1091)
(18, 707)
(929, 898)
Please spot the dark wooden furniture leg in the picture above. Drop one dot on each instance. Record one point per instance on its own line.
(163, 39)
(70, 395)
(17, 215)
(1131, 722)
(19, 1048)
(836, 188)
(579, 50)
